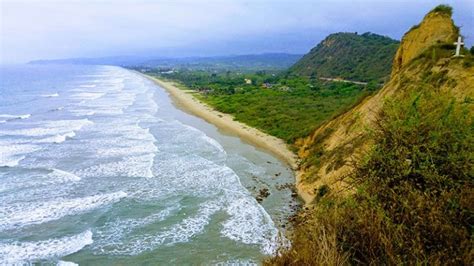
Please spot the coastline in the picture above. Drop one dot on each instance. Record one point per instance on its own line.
(187, 102)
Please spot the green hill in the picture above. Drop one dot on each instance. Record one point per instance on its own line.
(351, 56)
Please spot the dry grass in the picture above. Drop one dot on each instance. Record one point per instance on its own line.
(314, 243)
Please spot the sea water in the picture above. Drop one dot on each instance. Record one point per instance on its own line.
(97, 167)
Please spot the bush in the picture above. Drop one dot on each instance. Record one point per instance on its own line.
(418, 185)
(414, 199)
(444, 9)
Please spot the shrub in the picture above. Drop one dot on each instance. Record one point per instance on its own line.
(418, 185)
(414, 199)
(444, 9)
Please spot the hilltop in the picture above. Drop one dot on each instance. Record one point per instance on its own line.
(352, 56)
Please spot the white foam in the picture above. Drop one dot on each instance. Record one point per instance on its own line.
(132, 166)
(88, 95)
(88, 86)
(50, 95)
(8, 117)
(66, 263)
(36, 178)
(213, 142)
(12, 154)
(58, 138)
(23, 214)
(112, 236)
(57, 109)
(49, 128)
(178, 233)
(63, 176)
(249, 223)
(21, 253)
(82, 112)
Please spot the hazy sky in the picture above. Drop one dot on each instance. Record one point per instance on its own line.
(48, 29)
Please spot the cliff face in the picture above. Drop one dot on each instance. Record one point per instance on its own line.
(436, 27)
(422, 62)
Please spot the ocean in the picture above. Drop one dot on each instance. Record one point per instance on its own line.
(98, 167)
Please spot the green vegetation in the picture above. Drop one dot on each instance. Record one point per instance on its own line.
(414, 193)
(444, 9)
(366, 57)
(242, 63)
(288, 108)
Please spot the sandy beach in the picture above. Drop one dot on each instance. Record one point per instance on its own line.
(185, 100)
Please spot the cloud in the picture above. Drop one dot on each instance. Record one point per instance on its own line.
(71, 28)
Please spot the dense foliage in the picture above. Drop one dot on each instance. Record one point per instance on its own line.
(448, 10)
(366, 57)
(414, 199)
(288, 108)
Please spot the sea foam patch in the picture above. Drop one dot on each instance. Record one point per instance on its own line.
(131, 166)
(50, 95)
(7, 117)
(177, 233)
(88, 95)
(113, 237)
(21, 253)
(14, 216)
(49, 128)
(35, 178)
(12, 154)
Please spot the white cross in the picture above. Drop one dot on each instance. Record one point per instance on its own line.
(458, 44)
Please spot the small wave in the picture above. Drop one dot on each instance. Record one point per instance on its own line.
(19, 215)
(49, 128)
(132, 166)
(82, 112)
(20, 253)
(11, 155)
(36, 178)
(57, 109)
(88, 86)
(177, 233)
(214, 143)
(66, 263)
(50, 95)
(250, 224)
(58, 138)
(63, 176)
(112, 233)
(88, 95)
(6, 117)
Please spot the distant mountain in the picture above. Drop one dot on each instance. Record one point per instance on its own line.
(350, 56)
(111, 60)
(249, 62)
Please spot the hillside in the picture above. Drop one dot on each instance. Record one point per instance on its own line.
(337, 142)
(349, 56)
(392, 178)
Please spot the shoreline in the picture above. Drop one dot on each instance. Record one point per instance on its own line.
(187, 102)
